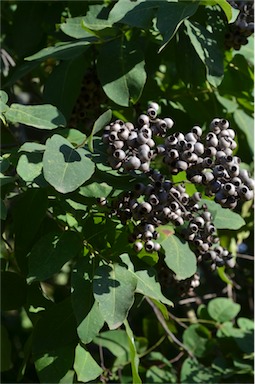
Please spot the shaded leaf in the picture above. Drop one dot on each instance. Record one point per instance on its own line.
(51, 252)
(85, 366)
(3, 210)
(30, 166)
(114, 287)
(75, 137)
(246, 124)
(14, 291)
(6, 350)
(95, 190)
(194, 372)
(170, 16)
(196, 338)
(116, 341)
(223, 309)
(209, 51)
(73, 27)
(126, 79)
(39, 116)
(64, 167)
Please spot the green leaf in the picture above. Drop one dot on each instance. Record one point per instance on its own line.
(224, 218)
(194, 372)
(246, 124)
(208, 50)
(245, 324)
(223, 309)
(133, 354)
(51, 252)
(196, 338)
(85, 366)
(178, 257)
(28, 213)
(156, 374)
(32, 147)
(62, 51)
(99, 124)
(39, 116)
(3, 102)
(225, 6)
(116, 341)
(93, 19)
(114, 287)
(53, 366)
(13, 291)
(86, 310)
(95, 190)
(171, 15)
(75, 137)
(6, 350)
(55, 329)
(121, 71)
(63, 85)
(148, 286)
(64, 167)
(244, 339)
(73, 27)
(29, 166)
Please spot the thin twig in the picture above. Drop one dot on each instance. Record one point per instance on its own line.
(164, 325)
(153, 347)
(178, 321)
(243, 256)
(178, 357)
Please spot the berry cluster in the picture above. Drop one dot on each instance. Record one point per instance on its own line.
(130, 146)
(209, 162)
(243, 27)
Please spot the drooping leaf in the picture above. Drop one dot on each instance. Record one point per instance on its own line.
(99, 124)
(63, 85)
(223, 218)
(51, 252)
(85, 366)
(223, 309)
(208, 50)
(178, 257)
(39, 116)
(62, 51)
(171, 15)
(64, 167)
(73, 27)
(123, 77)
(133, 354)
(114, 287)
(94, 19)
(86, 310)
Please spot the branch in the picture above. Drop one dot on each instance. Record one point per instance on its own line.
(164, 325)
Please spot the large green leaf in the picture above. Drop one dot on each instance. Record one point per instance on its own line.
(39, 116)
(116, 341)
(62, 51)
(51, 252)
(223, 309)
(114, 288)
(86, 310)
(94, 19)
(171, 15)
(179, 257)
(85, 366)
(63, 85)
(223, 218)
(209, 51)
(133, 354)
(121, 71)
(64, 167)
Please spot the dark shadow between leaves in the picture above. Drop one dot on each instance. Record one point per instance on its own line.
(70, 155)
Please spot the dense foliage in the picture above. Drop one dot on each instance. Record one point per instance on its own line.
(126, 191)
